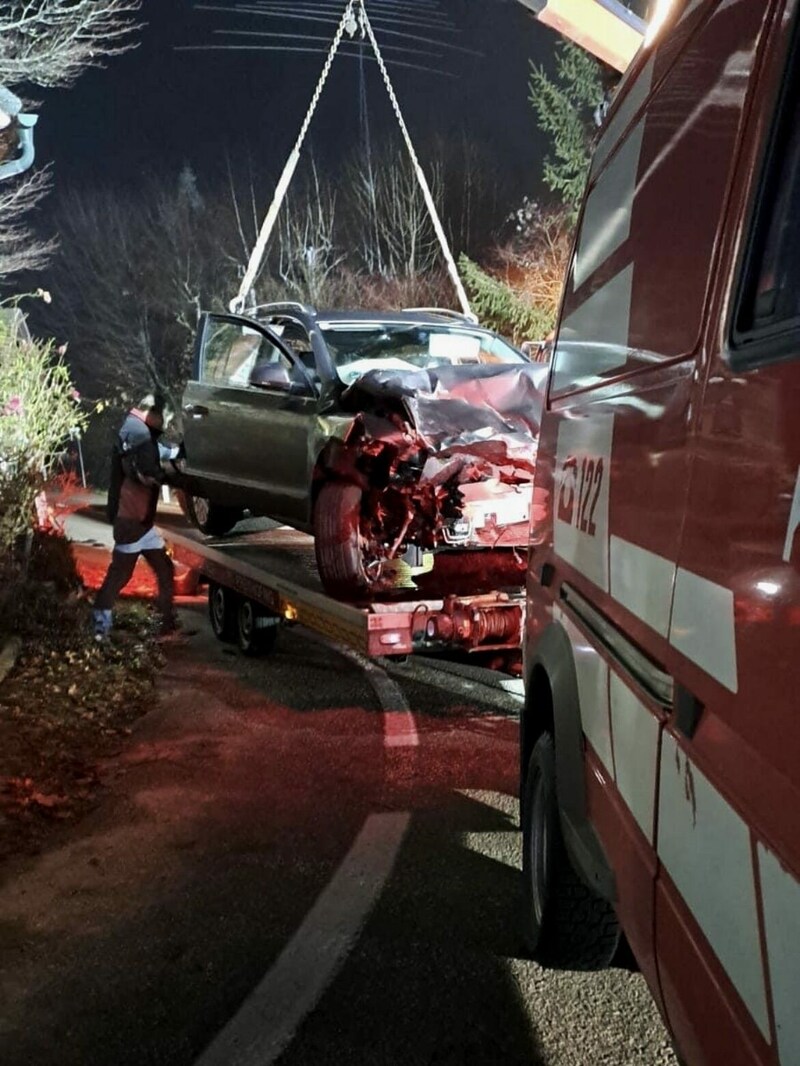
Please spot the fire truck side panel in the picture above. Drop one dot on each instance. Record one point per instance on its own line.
(670, 480)
(687, 968)
(740, 535)
(631, 856)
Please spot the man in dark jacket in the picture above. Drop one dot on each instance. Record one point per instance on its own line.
(136, 480)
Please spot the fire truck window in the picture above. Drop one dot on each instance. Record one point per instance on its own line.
(769, 307)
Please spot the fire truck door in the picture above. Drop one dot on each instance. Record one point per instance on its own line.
(728, 895)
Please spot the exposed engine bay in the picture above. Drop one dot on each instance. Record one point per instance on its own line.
(445, 460)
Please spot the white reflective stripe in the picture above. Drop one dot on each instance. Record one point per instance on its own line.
(592, 673)
(634, 100)
(794, 522)
(634, 731)
(579, 440)
(642, 582)
(703, 627)
(705, 846)
(780, 893)
(594, 338)
(606, 223)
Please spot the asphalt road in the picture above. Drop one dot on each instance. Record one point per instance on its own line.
(300, 860)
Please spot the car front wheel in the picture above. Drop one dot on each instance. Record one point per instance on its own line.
(565, 924)
(338, 543)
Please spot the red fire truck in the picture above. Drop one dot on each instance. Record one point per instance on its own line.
(661, 737)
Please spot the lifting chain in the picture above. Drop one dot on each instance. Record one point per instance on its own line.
(353, 20)
(420, 173)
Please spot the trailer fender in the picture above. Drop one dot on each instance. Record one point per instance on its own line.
(552, 704)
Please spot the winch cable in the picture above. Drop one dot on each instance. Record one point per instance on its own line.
(354, 18)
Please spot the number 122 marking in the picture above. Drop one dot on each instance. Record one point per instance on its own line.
(580, 492)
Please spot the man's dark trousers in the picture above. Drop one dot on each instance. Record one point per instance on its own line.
(121, 571)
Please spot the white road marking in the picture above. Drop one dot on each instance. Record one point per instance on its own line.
(475, 683)
(269, 1018)
(399, 727)
(266, 1023)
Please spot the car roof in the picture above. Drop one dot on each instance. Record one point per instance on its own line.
(337, 317)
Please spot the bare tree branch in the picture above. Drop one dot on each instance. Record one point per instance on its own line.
(20, 249)
(50, 42)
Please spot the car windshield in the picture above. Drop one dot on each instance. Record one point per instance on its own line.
(357, 348)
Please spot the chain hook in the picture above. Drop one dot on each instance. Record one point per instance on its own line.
(351, 23)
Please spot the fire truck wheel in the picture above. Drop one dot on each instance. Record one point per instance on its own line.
(211, 518)
(252, 636)
(222, 612)
(337, 540)
(565, 924)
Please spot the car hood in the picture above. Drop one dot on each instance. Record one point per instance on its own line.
(492, 412)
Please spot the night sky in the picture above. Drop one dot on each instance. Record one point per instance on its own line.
(159, 107)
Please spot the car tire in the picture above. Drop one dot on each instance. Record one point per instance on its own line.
(211, 518)
(565, 924)
(252, 638)
(222, 608)
(337, 540)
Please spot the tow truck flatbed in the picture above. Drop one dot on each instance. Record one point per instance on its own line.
(269, 573)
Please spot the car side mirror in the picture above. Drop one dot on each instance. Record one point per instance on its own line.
(271, 376)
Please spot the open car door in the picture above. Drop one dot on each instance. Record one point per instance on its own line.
(248, 411)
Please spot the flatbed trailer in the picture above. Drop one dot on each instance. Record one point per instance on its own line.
(261, 579)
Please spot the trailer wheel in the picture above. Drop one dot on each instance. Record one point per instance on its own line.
(565, 924)
(222, 609)
(254, 638)
(337, 540)
(211, 518)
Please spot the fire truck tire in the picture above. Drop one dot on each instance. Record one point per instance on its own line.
(337, 544)
(222, 609)
(565, 924)
(211, 518)
(253, 639)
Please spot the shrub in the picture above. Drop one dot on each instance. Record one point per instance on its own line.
(39, 411)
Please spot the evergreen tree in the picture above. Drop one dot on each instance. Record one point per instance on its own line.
(565, 107)
(500, 308)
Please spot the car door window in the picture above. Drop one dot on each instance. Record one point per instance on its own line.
(230, 351)
(295, 336)
(238, 355)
